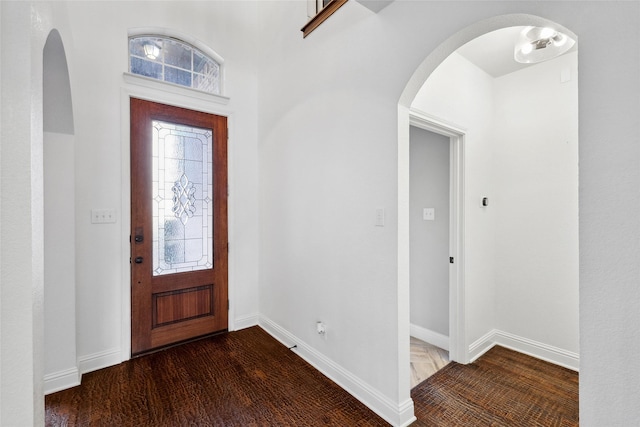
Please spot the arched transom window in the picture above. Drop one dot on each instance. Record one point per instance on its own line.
(173, 61)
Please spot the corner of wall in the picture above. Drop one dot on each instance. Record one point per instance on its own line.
(397, 414)
(61, 380)
(548, 353)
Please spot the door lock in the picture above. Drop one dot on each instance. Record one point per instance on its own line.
(139, 260)
(139, 237)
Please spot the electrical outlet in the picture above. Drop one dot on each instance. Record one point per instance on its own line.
(103, 216)
(429, 214)
(321, 328)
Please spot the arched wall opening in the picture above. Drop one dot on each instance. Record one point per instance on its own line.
(461, 341)
(61, 370)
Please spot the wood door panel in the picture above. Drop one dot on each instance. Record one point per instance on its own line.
(178, 175)
(182, 305)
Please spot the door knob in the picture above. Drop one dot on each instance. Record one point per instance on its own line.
(139, 260)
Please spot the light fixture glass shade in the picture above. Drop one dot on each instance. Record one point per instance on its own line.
(538, 44)
(151, 51)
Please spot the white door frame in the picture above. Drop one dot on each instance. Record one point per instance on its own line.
(457, 326)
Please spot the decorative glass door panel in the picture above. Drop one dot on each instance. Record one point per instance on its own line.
(182, 198)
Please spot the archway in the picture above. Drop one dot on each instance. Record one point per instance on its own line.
(459, 342)
(61, 370)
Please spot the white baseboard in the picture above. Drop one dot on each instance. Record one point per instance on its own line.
(482, 345)
(93, 362)
(61, 380)
(397, 414)
(426, 335)
(549, 353)
(246, 321)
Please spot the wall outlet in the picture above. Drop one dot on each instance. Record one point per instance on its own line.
(429, 214)
(321, 328)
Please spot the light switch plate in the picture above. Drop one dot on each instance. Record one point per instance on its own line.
(103, 216)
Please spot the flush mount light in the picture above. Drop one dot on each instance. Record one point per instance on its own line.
(538, 44)
(151, 50)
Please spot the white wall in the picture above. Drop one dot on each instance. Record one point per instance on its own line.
(536, 203)
(332, 97)
(429, 188)
(59, 262)
(460, 93)
(24, 32)
(97, 88)
(320, 263)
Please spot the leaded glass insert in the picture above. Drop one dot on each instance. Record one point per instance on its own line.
(182, 198)
(173, 61)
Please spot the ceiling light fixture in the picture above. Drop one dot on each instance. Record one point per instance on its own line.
(538, 44)
(151, 50)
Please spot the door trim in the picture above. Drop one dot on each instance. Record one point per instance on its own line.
(183, 99)
(456, 134)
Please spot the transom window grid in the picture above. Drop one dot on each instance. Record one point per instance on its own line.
(173, 61)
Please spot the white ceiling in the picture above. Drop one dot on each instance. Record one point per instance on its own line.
(493, 52)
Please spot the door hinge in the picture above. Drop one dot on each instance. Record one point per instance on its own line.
(450, 260)
(228, 305)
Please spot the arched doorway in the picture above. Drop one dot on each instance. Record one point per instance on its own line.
(61, 370)
(464, 345)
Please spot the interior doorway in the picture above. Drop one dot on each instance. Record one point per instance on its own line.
(436, 243)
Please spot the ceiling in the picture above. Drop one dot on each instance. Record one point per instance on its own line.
(493, 52)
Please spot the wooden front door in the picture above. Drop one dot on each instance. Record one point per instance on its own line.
(178, 225)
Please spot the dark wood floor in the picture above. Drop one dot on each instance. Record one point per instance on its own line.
(501, 388)
(243, 378)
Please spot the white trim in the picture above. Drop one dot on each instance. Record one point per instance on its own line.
(103, 359)
(456, 342)
(148, 89)
(174, 88)
(247, 321)
(397, 414)
(542, 351)
(429, 336)
(482, 345)
(61, 380)
(435, 124)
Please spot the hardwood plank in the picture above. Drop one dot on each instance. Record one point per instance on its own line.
(247, 378)
(243, 378)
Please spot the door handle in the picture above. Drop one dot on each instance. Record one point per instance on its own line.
(139, 235)
(139, 260)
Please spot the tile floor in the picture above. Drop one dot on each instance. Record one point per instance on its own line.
(426, 360)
